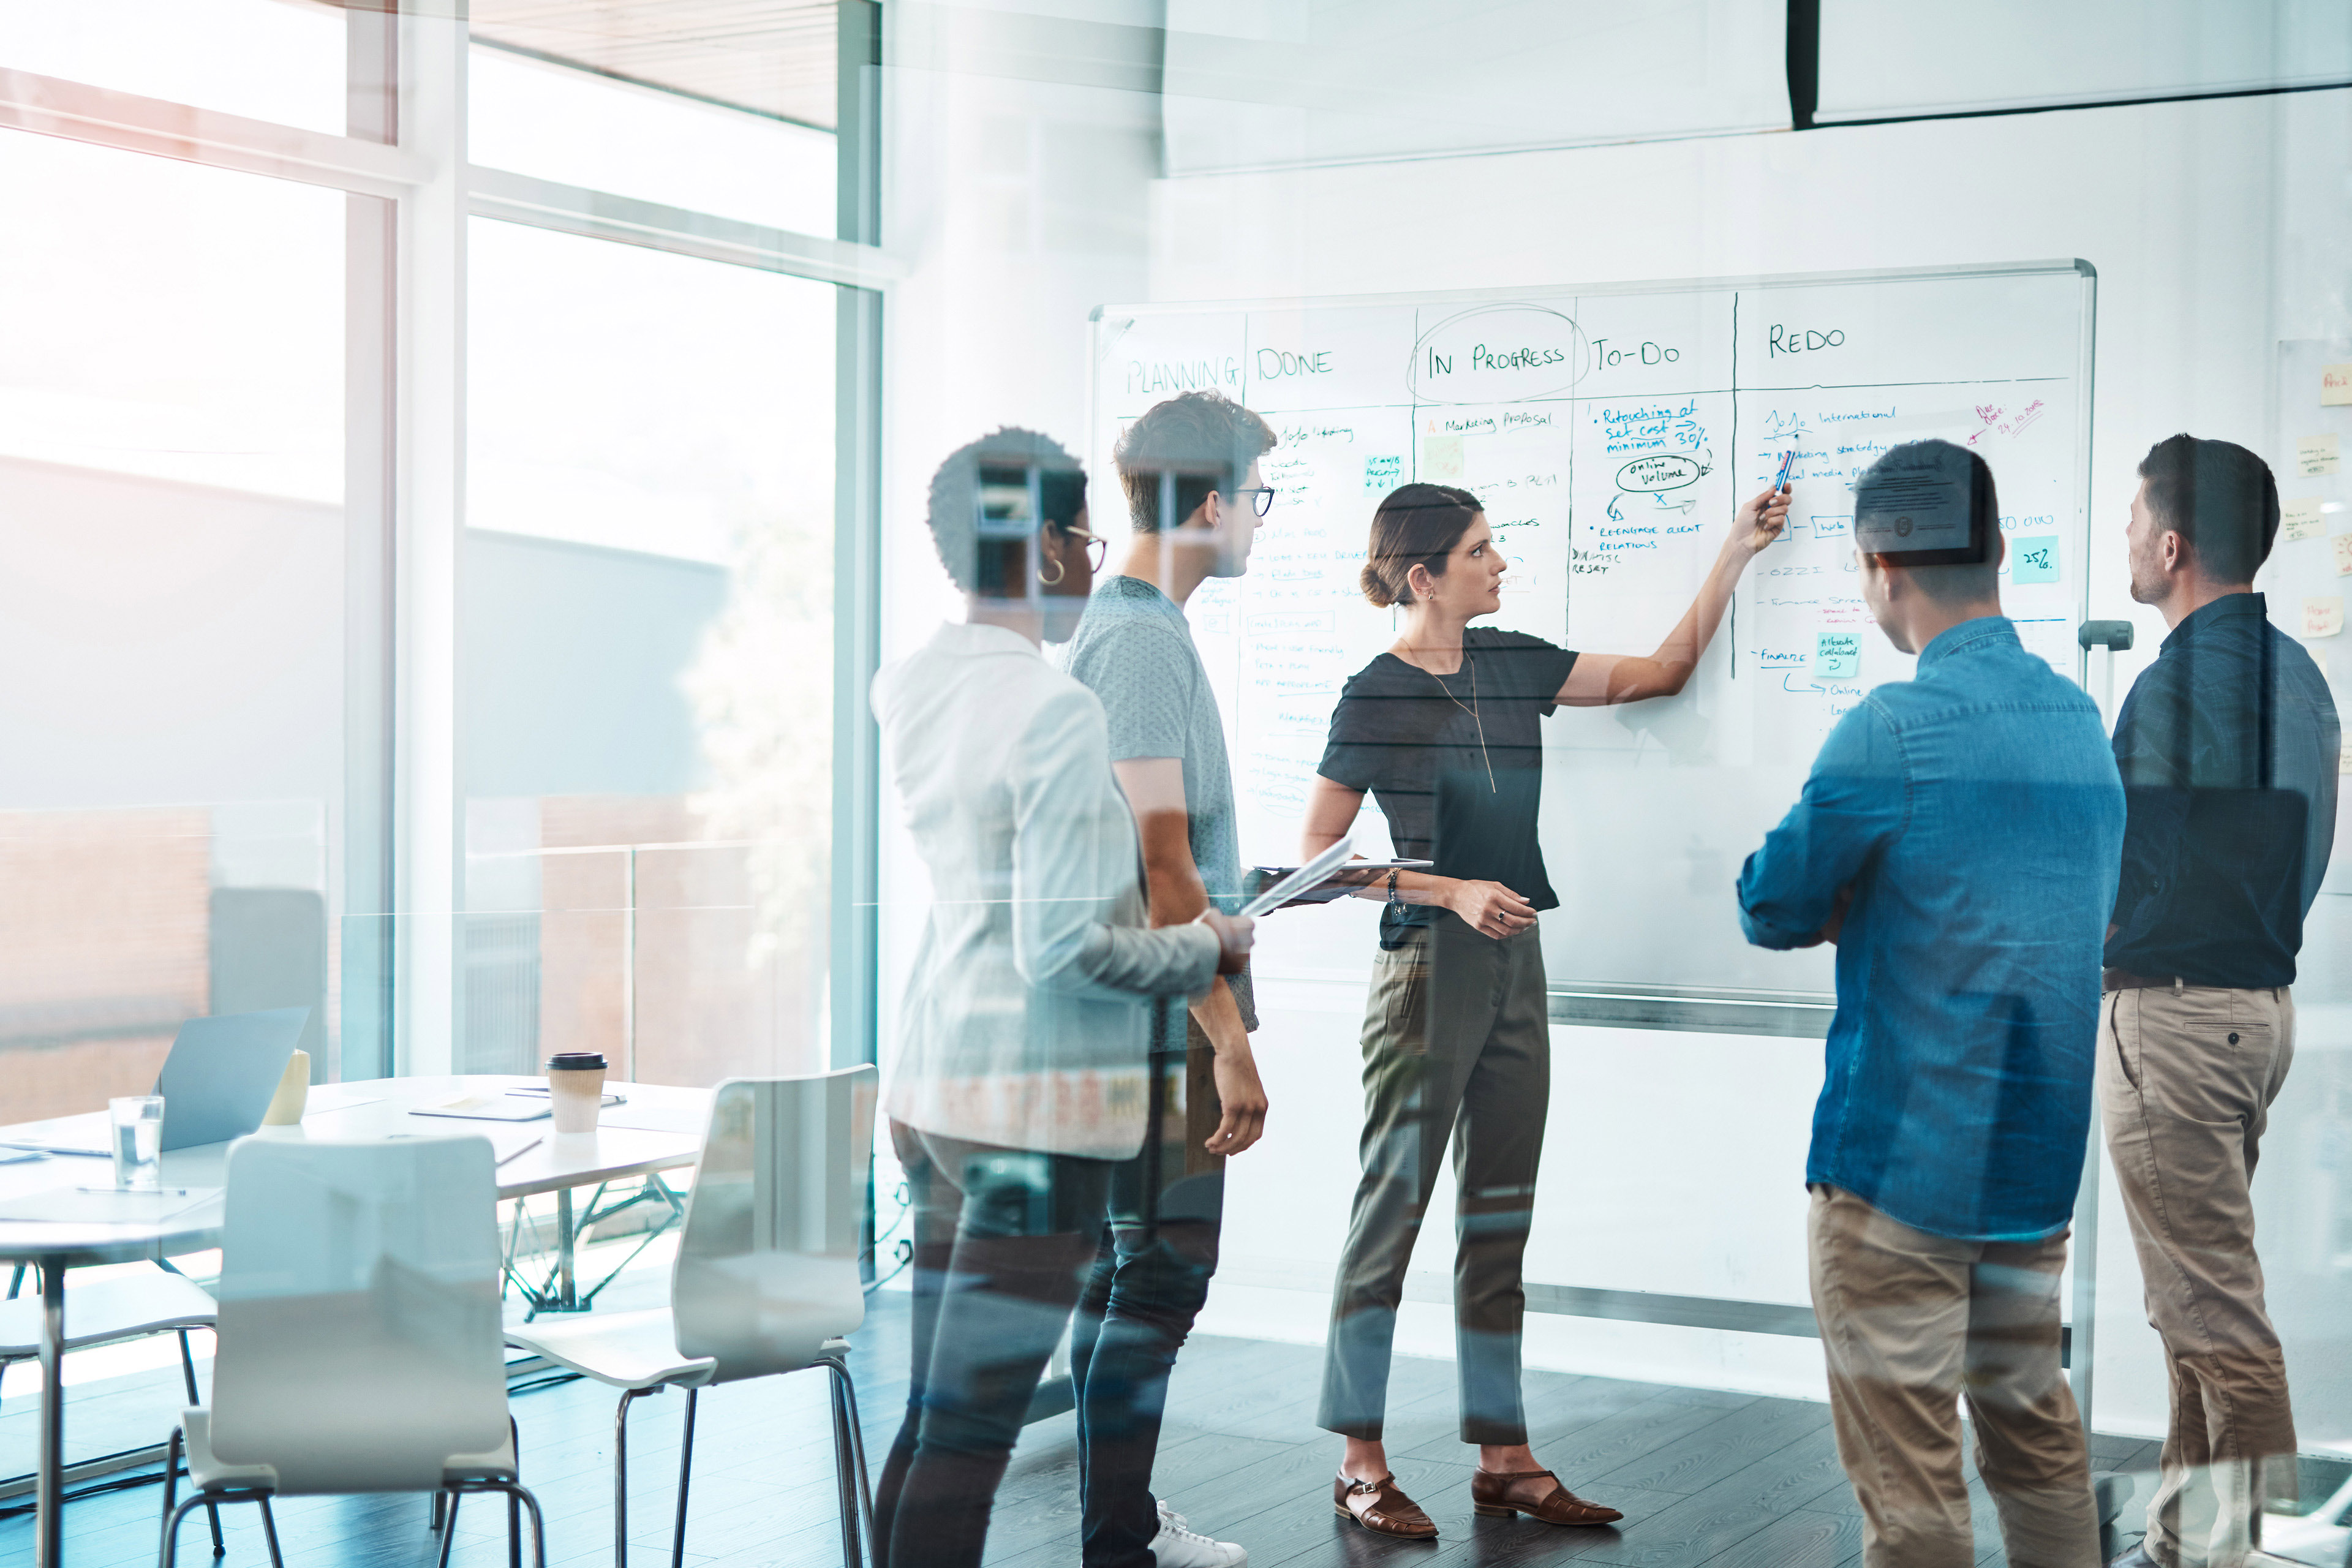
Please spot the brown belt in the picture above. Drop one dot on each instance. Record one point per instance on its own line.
(2125, 980)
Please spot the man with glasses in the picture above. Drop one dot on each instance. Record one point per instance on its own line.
(1189, 468)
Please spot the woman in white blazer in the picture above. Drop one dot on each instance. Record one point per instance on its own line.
(1020, 1074)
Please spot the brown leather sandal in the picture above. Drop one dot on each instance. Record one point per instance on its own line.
(1382, 1507)
(1535, 1494)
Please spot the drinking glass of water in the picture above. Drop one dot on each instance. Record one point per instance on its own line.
(138, 1142)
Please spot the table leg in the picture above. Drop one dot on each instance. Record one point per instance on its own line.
(48, 1487)
(567, 1297)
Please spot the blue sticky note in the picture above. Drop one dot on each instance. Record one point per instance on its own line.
(1383, 473)
(2034, 559)
(1837, 656)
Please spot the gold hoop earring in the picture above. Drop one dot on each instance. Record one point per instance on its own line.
(1055, 579)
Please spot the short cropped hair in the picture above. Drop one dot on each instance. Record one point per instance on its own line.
(1923, 476)
(1417, 525)
(991, 478)
(2219, 498)
(1204, 440)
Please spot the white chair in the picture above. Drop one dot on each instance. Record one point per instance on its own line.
(360, 1349)
(766, 1279)
(106, 1311)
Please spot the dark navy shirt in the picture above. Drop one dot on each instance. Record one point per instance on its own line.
(1456, 760)
(2227, 748)
(1975, 811)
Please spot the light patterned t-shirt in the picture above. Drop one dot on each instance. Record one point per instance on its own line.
(1135, 650)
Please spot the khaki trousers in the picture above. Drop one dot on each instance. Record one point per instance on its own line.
(1914, 1323)
(2186, 1080)
(1457, 1043)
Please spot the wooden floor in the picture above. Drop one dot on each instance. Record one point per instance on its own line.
(1702, 1477)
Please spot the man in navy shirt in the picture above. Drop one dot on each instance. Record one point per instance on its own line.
(1957, 840)
(2228, 746)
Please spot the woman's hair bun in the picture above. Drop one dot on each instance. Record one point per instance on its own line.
(1375, 589)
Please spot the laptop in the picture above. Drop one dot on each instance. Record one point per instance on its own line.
(222, 1072)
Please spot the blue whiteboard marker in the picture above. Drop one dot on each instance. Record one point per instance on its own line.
(1787, 460)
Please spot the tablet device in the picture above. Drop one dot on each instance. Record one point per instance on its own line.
(222, 1072)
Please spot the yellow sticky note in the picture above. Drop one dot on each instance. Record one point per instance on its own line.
(2299, 518)
(2323, 614)
(2343, 543)
(2334, 385)
(2316, 455)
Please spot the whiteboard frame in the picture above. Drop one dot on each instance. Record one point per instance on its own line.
(1639, 1005)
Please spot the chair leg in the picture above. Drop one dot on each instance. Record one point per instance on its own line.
(16, 1281)
(269, 1533)
(188, 1377)
(514, 1531)
(845, 1487)
(170, 1485)
(846, 1396)
(538, 1522)
(440, 1509)
(620, 1476)
(171, 1552)
(685, 1476)
(449, 1533)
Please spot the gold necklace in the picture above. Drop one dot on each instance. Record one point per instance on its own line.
(1472, 710)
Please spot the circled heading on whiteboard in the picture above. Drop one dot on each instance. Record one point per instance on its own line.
(1499, 353)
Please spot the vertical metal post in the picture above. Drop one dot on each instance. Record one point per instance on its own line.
(2085, 1308)
(363, 1046)
(567, 1284)
(49, 1486)
(858, 555)
(629, 964)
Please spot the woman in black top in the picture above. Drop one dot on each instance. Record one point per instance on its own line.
(1443, 728)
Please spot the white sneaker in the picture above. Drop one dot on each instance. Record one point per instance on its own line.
(1179, 1546)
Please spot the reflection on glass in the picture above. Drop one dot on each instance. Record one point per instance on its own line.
(648, 659)
(170, 475)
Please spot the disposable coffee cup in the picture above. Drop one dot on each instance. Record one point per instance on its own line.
(575, 1090)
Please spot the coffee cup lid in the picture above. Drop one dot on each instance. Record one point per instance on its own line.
(576, 1061)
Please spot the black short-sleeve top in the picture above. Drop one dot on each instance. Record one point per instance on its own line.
(1455, 761)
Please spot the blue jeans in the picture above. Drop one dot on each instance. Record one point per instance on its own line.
(1003, 1238)
(1150, 1277)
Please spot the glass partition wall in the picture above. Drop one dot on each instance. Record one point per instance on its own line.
(437, 612)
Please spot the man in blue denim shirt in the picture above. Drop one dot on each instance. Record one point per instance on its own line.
(1958, 839)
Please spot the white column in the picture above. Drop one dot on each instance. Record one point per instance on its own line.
(428, 532)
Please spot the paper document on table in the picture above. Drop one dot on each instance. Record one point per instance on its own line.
(105, 1205)
(1307, 876)
(485, 1107)
(689, 1119)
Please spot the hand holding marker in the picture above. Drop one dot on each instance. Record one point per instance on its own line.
(1788, 461)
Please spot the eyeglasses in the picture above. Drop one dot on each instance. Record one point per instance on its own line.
(1098, 547)
(1263, 494)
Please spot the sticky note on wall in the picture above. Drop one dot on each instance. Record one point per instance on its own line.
(1383, 473)
(2334, 385)
(2299, 519)
(2034, 559)
(2323, 614)
(2316, 455)
(2343, 543)
(1837, 656)
(1441, 459)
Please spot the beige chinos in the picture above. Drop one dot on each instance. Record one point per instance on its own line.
(1458, 1041)
(1913, 1323)
(2187, 1075)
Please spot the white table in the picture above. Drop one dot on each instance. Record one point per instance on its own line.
(532, 1159)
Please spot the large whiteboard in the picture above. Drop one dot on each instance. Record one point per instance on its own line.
(1609, 432)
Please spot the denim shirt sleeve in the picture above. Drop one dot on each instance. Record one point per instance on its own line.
(1856, 802)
